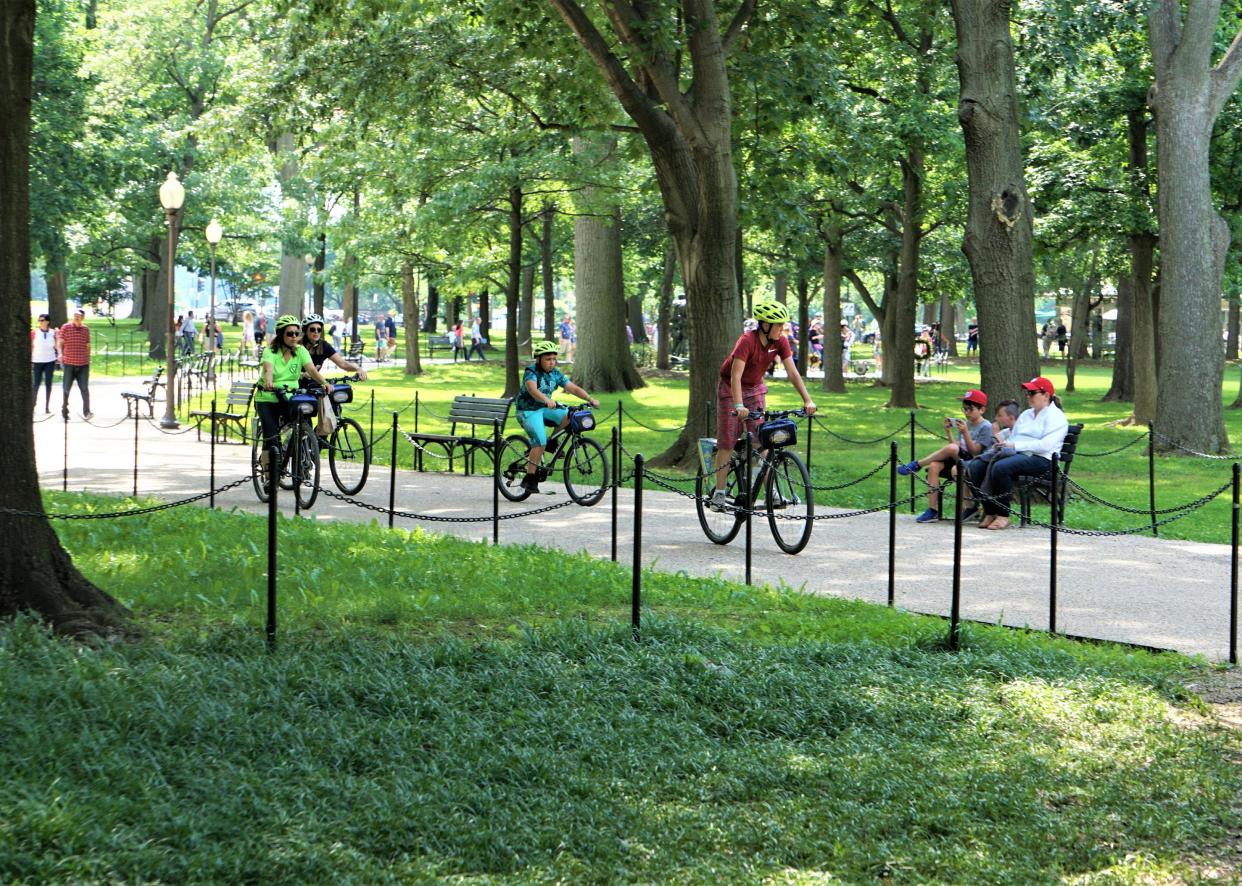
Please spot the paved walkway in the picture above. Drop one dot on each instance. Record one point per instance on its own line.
(1155, 592)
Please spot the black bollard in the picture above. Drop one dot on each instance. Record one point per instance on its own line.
(1054, 517)
(273, 489)
(892, 522)
(371, 427)
(495, 482)
(636, 584)
(1233, 575)
(418, 452)
(211, 500)
(616, 473)
(620, 422)
(1151, 474)
(295, 467)
(912, 458)
(745, 490)
(392, 474)
(64, 471)
(955, 610)
(135, 402)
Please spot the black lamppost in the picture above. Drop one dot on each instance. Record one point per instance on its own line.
(172, 196)
(215, 234)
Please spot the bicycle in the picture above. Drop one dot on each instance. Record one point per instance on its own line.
(303, 479)
(584, 468)
(782, 479)
(349, 450)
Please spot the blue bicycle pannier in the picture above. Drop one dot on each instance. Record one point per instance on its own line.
(582, 420)
(342, 394)
(780, 432)
(304, 404)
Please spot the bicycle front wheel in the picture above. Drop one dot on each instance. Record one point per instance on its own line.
(721, 527)
(586, 471)
(260, 474)
(787, 491)
(513, 452)
(349, 457)
(306, 487)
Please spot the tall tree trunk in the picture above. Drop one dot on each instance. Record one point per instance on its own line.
(150, 292)
(1122, 386)
(513, 379)
(688, 132)
(1142, 256)
(635, 319)
(138, 296)
(1187, 97)
(432, 314)
(664, 313)
(485, 308)
(158, 309)
(292, 265)
(998, 241)
(804, 324)
(321, 260)
(409, 308)
(526, 338)
(36, 573)
(548, 217)
(1231, 339)
(603, 361)
(780, 286)
(58, 284)
(899, 351)
(834, 380)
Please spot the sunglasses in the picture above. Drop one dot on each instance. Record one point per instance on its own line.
(1033, 393)
(292, 333)
(314, 329)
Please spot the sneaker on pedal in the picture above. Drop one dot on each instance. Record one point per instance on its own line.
(530, 483)
(719, 502)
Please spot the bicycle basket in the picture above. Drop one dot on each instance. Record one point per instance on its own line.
(304, 404)
(781, 432)
(582, 420)
(342, 394)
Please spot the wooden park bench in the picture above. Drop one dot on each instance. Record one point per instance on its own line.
(437, 341)
(481, 414)
(355, 353)
(1028, 487)
(236, 409)
(150, 387)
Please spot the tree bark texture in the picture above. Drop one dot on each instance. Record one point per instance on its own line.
(899, 350)
(292, 265)
(1231, 335)
(409, 307)
(548, 217)
(36, 573)
(664, 313)
(688, 132)
(998, 240)
(1122, 386)
(514, 281)
(1187, 96)
(603, 361)
(525, 336)
(432, 314)
(1143, 330)
(834, 379)
(635, 319)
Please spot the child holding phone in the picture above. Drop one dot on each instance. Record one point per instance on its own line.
(967, 437)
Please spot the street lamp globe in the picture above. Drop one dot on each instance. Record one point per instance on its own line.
(215, 233)
(172, 194)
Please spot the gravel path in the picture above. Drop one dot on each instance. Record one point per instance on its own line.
(1154, 592)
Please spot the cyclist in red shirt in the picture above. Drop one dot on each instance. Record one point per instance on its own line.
(741, 389)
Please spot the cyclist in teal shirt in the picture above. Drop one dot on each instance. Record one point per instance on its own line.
(537, 406)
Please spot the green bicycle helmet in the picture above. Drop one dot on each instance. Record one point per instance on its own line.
(312, 318)
(771, 312)
(287, 320)
(544, 347)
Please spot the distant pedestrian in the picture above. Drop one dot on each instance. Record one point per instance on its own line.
(847, 342)
(246, 347)
(188, 333)
(390, 330)
(74, 343)
(43, 355)
(476, 339)
(1062, 339)
(381, 338)
(972, 338)
(1048, 335)
(568, 337)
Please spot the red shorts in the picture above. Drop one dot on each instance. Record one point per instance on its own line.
(728, 426)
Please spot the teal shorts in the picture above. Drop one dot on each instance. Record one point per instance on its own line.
(534, 423)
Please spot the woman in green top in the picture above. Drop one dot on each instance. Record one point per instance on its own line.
(283, 364)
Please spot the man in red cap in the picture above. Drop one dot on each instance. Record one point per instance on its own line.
(967, 437)
(1037, 436)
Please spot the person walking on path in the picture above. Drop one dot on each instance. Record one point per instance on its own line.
(73, 341)
(189, 332)
(568, 338)
(381, 338)
(476, 339)
(43, 357)
(1048, 336)
(972, 338)
(390, 330)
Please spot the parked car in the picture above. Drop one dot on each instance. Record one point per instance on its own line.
(232, 310)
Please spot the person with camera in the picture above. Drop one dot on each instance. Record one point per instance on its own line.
(967, 438)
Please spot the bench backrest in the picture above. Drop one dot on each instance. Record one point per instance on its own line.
(1068, 447)
(479, 410)
(240, 393)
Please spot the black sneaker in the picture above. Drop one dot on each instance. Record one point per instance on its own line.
(531, 483)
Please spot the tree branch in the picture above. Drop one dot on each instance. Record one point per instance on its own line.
(1226, 76)
(744, 14)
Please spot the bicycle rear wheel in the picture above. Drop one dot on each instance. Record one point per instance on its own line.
(349, 458)
(307, 473)
(787, 491)
(720, 527)
(513, 451)
(586, 471)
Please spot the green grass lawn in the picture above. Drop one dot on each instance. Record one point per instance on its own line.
(441, 709)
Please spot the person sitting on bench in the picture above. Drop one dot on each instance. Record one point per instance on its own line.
(967, 437)
(1037, 436)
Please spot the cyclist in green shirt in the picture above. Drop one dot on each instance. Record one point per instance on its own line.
(283, 364)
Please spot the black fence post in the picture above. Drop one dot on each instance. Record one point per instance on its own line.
(211, 500)
(912, 458)
(495, 482)
(620, 422)
(1233, 574)
(747, 498)
(636, 584)
(135, 402)
(392, 474)
(418, 452)
(1151, 474)
(616, 479)
(295, 466)
(273, 489)
(955, 610)
(371, 428)
(64, 471)
(1054, 517)
(892, 522)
